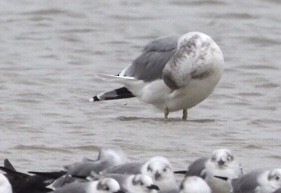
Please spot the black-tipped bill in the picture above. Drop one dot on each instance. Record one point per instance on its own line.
(153, 187)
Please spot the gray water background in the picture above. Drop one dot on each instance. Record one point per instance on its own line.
(50, 51)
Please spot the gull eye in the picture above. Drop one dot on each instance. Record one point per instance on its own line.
(229, 158)
(106, 188)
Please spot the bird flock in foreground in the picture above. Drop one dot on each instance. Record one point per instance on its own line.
(113, 172)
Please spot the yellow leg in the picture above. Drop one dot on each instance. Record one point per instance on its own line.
(184, 114)
(166, 113)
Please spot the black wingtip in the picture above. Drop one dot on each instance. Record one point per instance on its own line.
(180, 172)
(222, 178)
(7, 164)
(95, 98)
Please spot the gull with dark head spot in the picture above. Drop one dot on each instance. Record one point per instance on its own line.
(105, 185)
(158, 168)
(221, 163)
(257, 181)
(138, 183)
(172, 73)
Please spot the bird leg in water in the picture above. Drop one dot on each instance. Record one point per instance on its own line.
(184, 114)
(166, 113)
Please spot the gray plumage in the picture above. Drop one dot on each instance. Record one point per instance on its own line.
(129, 168)
(197, 167)
(246, 183)
(78, 187)
(150, 64)
(278, 191)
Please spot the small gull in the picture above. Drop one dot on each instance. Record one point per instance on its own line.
(138, 183)
(107, 158)
(158, 168)
(105, 185)
(221, 163)
(257, 181)
(172, 73)
(194, 184)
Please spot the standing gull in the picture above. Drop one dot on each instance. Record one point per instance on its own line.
(172, 73)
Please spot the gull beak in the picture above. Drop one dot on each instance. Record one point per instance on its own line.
(152, 187)
(120, 191)
(221, 162)
(157, 175)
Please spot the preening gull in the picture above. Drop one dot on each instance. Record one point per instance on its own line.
(257, 181)
(172, 73)
(105, 185)
(158, 168)
(5, 186)
(107, 158)
(194, 184)
(221, 163)
(138, 183)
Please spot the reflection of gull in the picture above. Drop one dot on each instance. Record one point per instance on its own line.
(221, 163)
(5, 186)
(158, 168)
(258, 181)
(194, 184)
(172, 73)
(106, 185)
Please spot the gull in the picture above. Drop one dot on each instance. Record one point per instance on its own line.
(138, 183)
(221, 163)
(22, 183)
(105, 185)
(158, 168)
(5, 186)
(194, 184)
(172, 73)
(257, 181)
(107, 158)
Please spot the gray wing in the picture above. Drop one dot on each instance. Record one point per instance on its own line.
(278, 191)
(129, 168)
(149, 65)
(169, 191)
(79, 187)
(246, 183)
(196, 168)
(86, 167)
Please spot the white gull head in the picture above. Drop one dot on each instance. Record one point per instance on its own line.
(160, 170)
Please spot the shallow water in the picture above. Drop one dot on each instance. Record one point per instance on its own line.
(51, 49)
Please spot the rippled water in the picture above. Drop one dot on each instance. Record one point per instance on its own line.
(51, 49)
